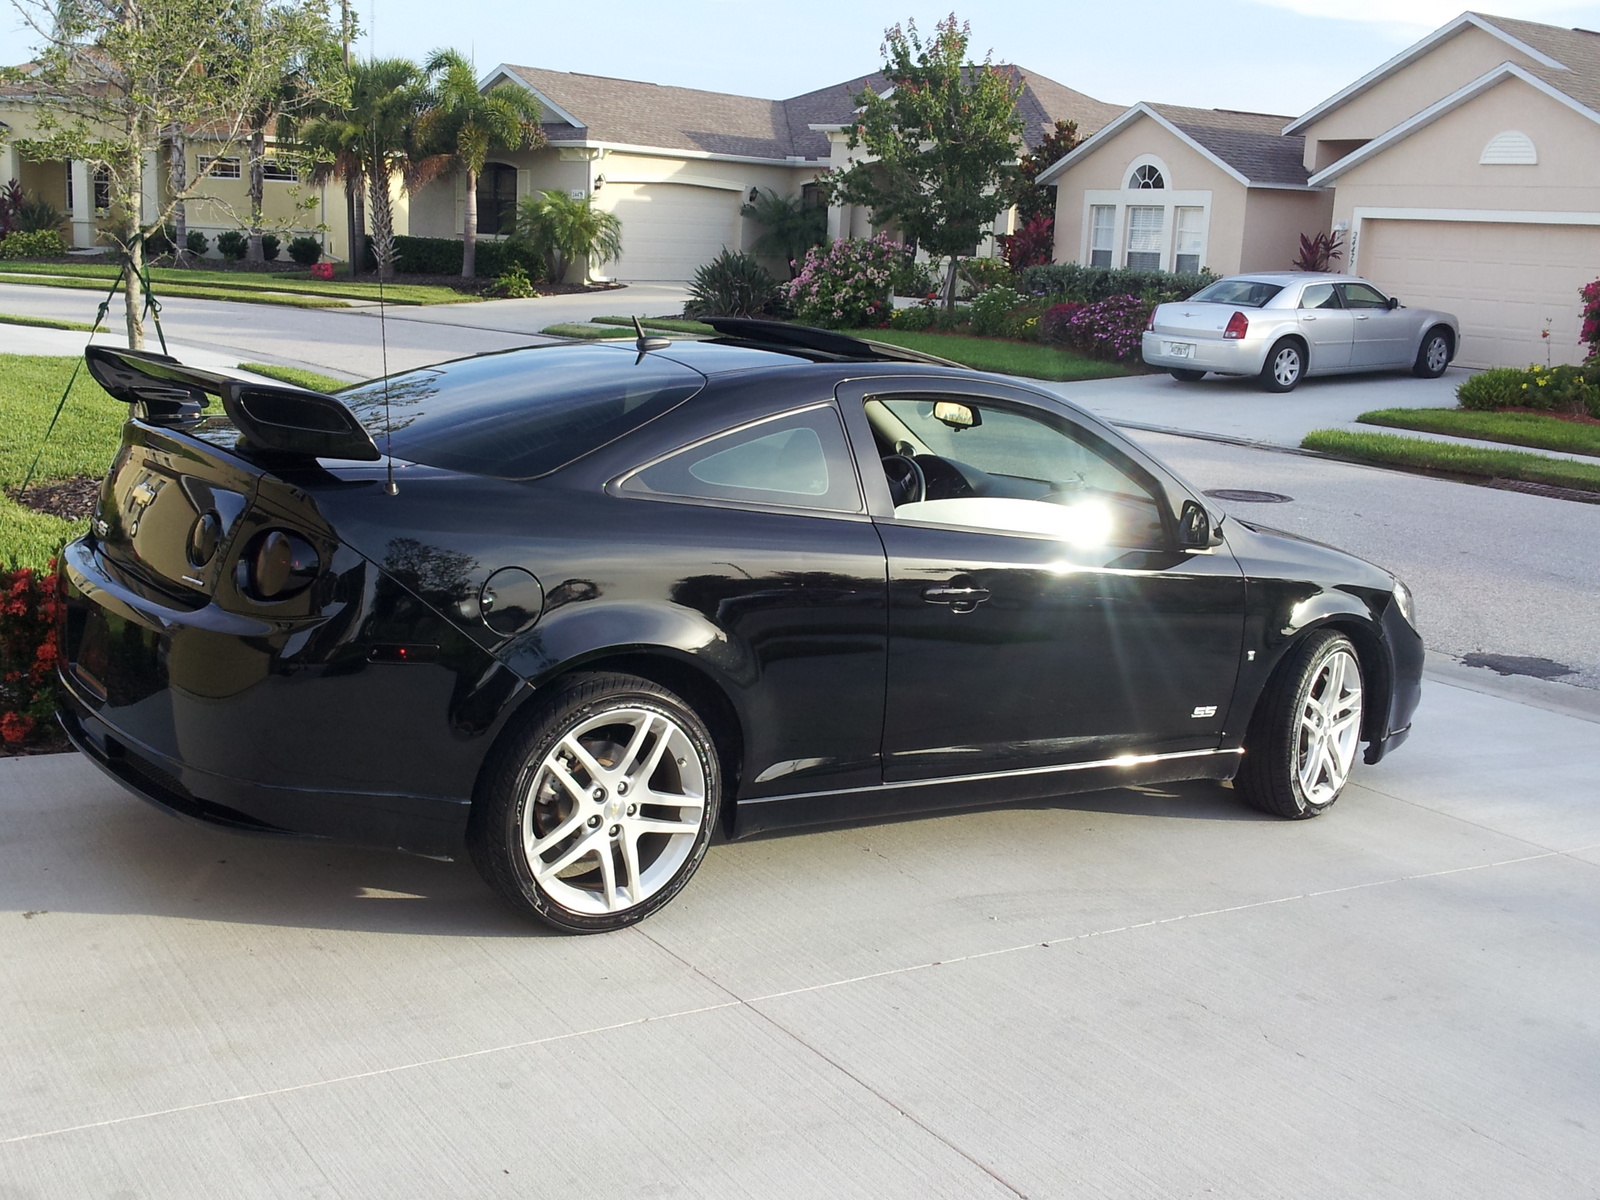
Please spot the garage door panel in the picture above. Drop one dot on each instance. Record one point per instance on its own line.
(1506, 283)
(670, 229)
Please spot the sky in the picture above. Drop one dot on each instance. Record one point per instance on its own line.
(1275, 56)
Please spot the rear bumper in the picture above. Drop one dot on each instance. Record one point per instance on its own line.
(1226, 358)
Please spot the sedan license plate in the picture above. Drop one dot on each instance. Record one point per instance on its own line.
(1180, 349)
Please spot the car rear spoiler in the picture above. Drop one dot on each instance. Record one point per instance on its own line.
(282, 419)
(836, 347)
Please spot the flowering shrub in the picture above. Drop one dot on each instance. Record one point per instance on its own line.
(846, 285)
(1591, 318)
(1056, 324)
(29, 650)
(994, 313)
(1569, 390)
(1113, 328)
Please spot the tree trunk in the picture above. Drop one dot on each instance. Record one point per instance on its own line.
(469, 228)
(950, 286)
(178, 181)
(354, 190)
(258, 150)
(133, 292)
(382, 220)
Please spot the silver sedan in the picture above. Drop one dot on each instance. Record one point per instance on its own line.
(1284, 325)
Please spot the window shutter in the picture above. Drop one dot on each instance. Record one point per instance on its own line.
(524, 182)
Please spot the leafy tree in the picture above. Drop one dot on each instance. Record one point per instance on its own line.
(567, 231)
(791, 227)
(111, 77)
(944, 142)
(1033, 201)
(465, 124)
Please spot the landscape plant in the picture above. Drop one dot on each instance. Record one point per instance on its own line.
(1030, 246)
(11, 201)
(29, 650)
(1056, 327)
(943, 139)
(1032, 200)
(196, 243)
(1061, 282)
(789, 226)
(981, 274)
(566, 231)
(1112, 328)
(305, 250)
(1589, 332)
(995, 313)
(1319, 253)
(233, 244)
(46, 243)
(513, 283)
(271, 243)
(733, 284)
(845, 285)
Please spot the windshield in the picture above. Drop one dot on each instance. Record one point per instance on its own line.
(1245, 293)
(520, 414)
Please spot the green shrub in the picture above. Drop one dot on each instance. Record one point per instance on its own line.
(39, 216)
(305, 250)
(196, 243)
(981, 274)
(914, 319)
(1572, 391)
(732, 284)
(160, 241)
(513, 283)
(1489, 390)
(442, 256)
(1062, 282)
(233, 244)
(846, 285)
(997, 313)
(43, 243)
(269, 246)
(913, 278)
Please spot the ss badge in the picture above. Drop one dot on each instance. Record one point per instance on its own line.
(1204, 710)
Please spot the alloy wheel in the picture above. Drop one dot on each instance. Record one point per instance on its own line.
(1438, 354)
(1329, 728)
(614, 811)
(1286, 367)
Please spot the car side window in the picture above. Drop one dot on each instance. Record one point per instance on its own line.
(1359, 295)
(797, 460)
(977, 463)
(1320, 295)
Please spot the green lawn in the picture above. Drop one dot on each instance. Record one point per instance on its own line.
(84, 442)
(168, 291)
(316, 381)
(45, 323)
(293, 282)
(670, 324)
(1513, 428)
(1030, 359)
(1395, 450)
(587, 332)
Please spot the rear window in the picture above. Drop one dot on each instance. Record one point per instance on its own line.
(524, 413)
(1246, 293)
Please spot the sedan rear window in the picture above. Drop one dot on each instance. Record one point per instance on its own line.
(1246, 293)
(520, 414)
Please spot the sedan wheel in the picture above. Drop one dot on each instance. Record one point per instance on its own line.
(602, 809)
(1433, 356)
(1286, 362)
(1302, 741)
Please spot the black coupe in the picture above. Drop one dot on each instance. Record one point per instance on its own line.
(570, 607)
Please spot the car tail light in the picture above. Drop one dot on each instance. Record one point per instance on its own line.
(1151, 323)
(1238, 326)
(278, 564)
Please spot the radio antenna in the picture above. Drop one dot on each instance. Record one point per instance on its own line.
(390, 487)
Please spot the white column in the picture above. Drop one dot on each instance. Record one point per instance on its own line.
(83, 227)
(838, 222)
(10, 164)
(150, 188)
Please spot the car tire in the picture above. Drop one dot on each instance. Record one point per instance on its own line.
(597, 809)
(1285, 366)
(1303, 737)
(1184, 375)
(1434, 355)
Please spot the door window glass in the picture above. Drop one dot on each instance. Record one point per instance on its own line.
(801, 459)
(1319, 295)
(998, 467)
(1359, 295)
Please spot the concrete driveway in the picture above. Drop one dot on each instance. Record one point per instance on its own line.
(1144, 993)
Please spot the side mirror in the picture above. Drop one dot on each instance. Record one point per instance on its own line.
(1194, 526)
(1394, 302)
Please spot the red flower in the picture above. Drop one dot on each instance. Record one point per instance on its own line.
(15, 726)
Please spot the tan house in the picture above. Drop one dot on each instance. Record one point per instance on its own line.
(676, 164)
(1167, 188)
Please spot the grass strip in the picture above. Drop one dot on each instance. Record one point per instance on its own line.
(46, 323)
(670, 324)
(586, 332)
(1029, 359)
(84, 442)
(296, 282)
(1512, 428)
(167, 291)
(314, 381)
(1395, 450)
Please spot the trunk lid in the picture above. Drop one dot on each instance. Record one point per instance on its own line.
(1191, 321)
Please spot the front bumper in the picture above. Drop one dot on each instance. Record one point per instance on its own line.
(1244, 357)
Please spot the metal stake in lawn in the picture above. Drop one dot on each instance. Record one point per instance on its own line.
(152, 309)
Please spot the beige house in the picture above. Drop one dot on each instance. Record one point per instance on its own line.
(1466, 172)
(1176, 189)
(676, 164)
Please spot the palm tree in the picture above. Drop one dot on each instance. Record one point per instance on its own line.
(567, 231)
(792, 228)
(465, 124)
(369, 136)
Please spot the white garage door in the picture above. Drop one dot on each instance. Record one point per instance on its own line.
(669, 229)
(1505, 283)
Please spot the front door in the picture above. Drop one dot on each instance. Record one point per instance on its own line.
(1041, 612)
(1383, 335)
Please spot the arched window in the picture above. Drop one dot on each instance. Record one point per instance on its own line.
(1146, 177)
(497, 198)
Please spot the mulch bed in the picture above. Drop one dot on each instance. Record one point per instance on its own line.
(1575, 418)
(72, 499)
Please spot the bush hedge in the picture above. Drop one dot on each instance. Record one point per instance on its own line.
(1089, 285)
(1572, 391)
(29, 608)
(46, 243)
(442, 256)
(305, 250)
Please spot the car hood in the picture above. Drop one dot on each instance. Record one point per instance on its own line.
(1262, 550)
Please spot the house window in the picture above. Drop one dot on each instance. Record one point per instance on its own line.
(497, 199)
(1191, 237)
(811, 196)
(277, 172)
(102, 188)
(1146, 178)
(1102, 234)
(219, 168)
(1144, 237)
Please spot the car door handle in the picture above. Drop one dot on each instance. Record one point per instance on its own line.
(1363, 317)
(960, 599)
(1307, 317)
